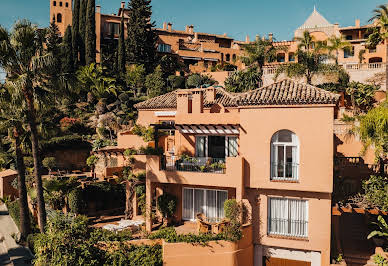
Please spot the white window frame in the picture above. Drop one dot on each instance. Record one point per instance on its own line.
(204, 199)
(275, 144)
(301, 234)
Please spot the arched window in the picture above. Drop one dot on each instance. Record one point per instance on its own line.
(227, 57)
(55, 3)
(284, 156)
(67, 4)
(59, 18)
(60, 3)
(234, 58)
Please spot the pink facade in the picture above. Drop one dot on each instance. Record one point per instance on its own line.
(277, 145)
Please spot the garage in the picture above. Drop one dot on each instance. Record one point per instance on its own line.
(284, 262)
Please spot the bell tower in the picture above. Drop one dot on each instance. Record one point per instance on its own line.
(61, 13)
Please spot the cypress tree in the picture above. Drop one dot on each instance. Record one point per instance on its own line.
(141, 41)
(90, 34)
(75, 31)
(67, 58)
(121, 48)
(81, 30)
(53, 46)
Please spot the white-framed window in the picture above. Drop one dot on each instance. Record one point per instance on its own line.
(284, 156)
(207, 201)
(164, 48)
(287, 217)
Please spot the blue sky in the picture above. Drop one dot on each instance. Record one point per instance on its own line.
(236, 18)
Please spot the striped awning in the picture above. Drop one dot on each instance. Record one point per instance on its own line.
(208, 129)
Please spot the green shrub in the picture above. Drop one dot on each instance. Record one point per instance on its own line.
(167, 204)
(49, 163)
(76, 201)
(232, 209)
(92, 160)
(170, 235)
(380, 260)
(376, 192)
(134, 255)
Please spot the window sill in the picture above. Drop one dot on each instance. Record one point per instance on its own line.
(300, 238)
(284, 181)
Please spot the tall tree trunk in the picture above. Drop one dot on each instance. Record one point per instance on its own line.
(37, 161)
(25, 223)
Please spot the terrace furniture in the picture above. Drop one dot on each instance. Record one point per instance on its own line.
(203, 226)
(220, 226)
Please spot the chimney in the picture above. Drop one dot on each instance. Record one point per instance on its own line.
(210, 94)
(184, 101)
(122, 4)
(195, 37)
(165, 25)
(357, 23)
(169, 26)
(247, 39)
(98, 9)
(270, 36)
(191, 29)
(197, 102)
(187, 28)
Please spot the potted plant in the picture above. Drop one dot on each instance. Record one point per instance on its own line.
(167, 207)
(379, 236)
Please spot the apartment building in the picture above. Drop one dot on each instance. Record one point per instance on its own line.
(362, 63)
(198, 51)
(271, 149)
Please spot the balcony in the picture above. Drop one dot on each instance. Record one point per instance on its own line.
(229, 173)
(284, 171)
(194, 164)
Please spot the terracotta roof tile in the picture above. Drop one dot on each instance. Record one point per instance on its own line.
(284, 92)
(287, 92)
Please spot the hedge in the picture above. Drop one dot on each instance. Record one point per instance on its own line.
(106, 196)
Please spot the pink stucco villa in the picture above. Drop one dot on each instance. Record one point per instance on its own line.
(271, 149)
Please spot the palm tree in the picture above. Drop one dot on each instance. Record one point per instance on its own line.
(11, 117)
(335, 44)
(380, 32)
(306, 41)
(260, 52)
(92, 78)
(22, 57)
(310, 61)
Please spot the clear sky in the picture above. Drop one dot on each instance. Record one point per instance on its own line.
(237, 18)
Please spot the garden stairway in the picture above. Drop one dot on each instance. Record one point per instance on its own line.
(358, 250)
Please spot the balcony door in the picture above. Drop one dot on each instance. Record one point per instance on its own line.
(207, 201)
(217, 147)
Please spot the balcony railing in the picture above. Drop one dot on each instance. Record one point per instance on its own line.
(284, 171)
(194, 164)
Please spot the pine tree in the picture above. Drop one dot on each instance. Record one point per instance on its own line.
(121, 49)
(141, 41)
(81, 30)
(75, 31)
(67, 58)
(90, 34)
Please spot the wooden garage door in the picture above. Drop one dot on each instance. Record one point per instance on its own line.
(284, 262)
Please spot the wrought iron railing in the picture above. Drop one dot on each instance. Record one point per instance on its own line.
(194, 164)
(284, 171)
